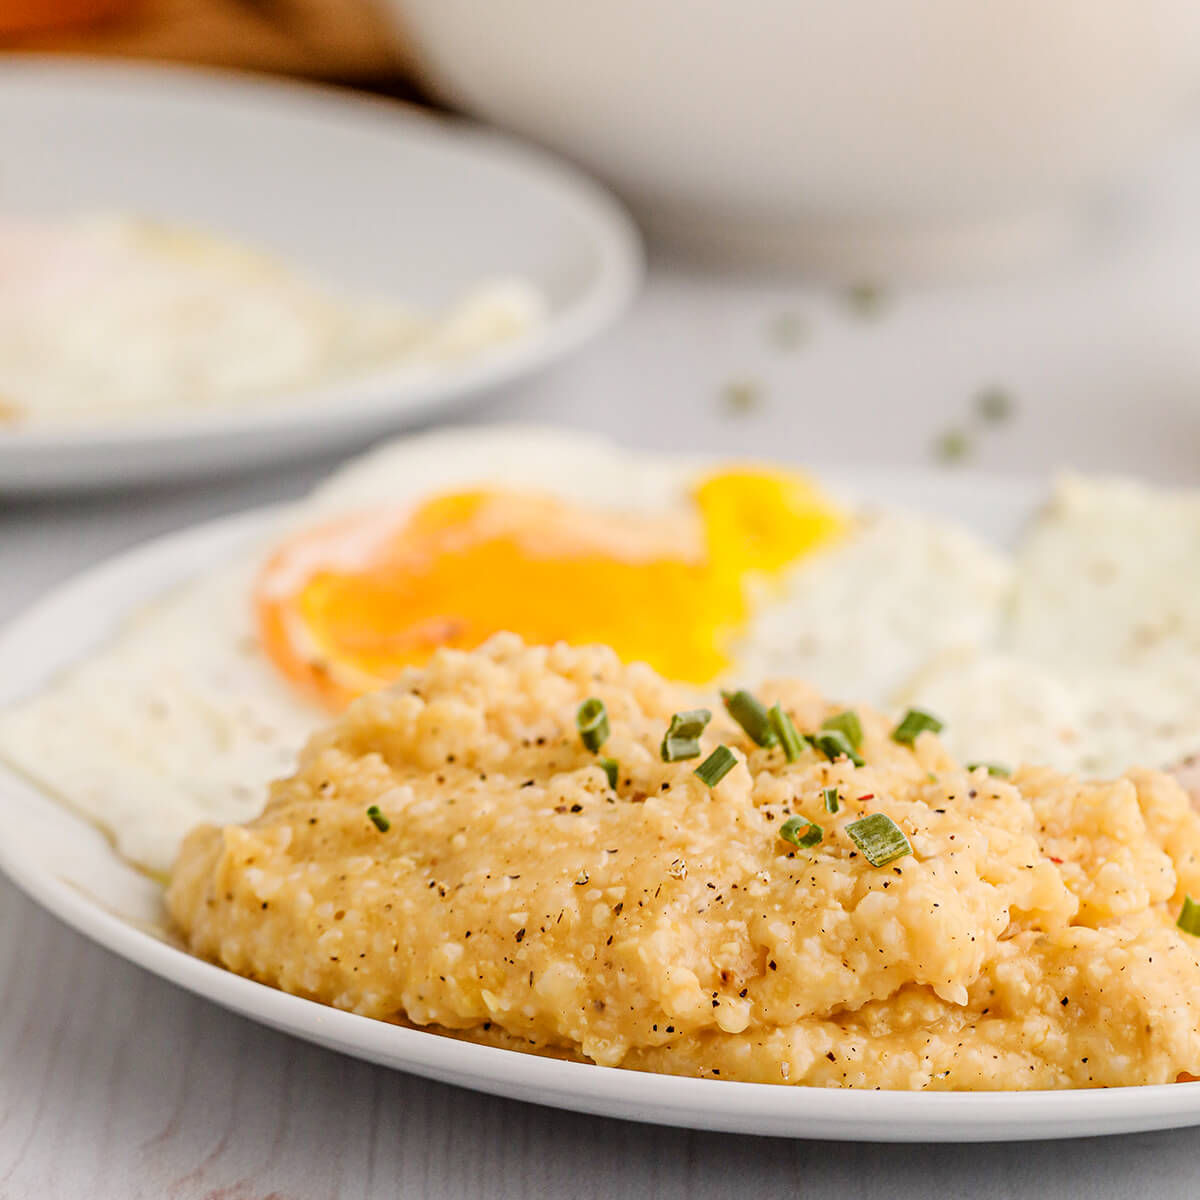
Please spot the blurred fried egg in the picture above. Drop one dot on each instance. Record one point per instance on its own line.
(110, 317)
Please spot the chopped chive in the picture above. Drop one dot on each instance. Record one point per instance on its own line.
(833, 743)
(999, 770)
(591, 720)
(787, 330)
(866, 299)
(1189, 917)
(915, 721)
(832, 800)
(750, 714)
(952, 446)
(610, 767)
(848, 723)
(682, 739)
(790, 832)
(994, 404)
(742, 396)
(879, 838)
(716, 766)
(787, 733)
(378, 819)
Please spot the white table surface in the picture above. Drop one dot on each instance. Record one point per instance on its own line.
(115, 1085)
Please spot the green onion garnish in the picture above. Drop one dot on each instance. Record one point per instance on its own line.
(833, 743)
(787, 330)
(591, 720)
(951, 446)
(994, 404)
(682, 739)
(1189, 917)
(716, 766)
(879, 838)
(832, 800)
(848, 723)
(915, 721)
(742, 395)
(378, 819)
(750, 714)
(790, 832)
(866, 299)
(610, 767)
(999, 770)
(787, 733)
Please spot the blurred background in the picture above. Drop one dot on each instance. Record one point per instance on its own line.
(917, 137)
(888, 216)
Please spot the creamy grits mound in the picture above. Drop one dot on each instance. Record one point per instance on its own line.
(1028, 941)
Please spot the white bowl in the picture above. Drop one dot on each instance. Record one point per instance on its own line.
(850, 136)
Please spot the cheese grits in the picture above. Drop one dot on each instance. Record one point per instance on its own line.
(547, 848)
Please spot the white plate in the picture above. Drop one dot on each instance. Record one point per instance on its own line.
(66, 865)
(364, 193)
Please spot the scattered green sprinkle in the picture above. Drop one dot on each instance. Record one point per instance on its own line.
(879, 838)
(833, 743)
(378, 819)
(742, 396)
(610, 767)
(592, 723)
(994, 404)
(848, 723)
(790, 832)
(787, 330)
(867, 300)
(716, 766)
(915, 721)
(750, 714)
(952, 446)
(999, 770)
(832, 800)
(1189, 917)
(787, 733)
(682, 739)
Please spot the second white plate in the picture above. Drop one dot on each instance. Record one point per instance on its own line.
(366, 194)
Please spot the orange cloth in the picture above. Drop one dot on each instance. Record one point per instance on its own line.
(351, 41)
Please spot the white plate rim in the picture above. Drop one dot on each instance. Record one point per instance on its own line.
(763, 1109)
(385, 396)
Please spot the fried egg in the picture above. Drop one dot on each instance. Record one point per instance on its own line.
(1081, 652)
(711, 571)
(115, 317)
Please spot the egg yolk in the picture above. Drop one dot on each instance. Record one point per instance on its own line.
(344, 608)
